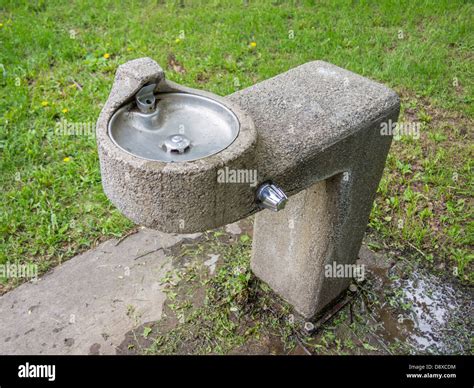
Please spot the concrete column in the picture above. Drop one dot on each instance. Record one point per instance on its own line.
(290, 247)
(322, 225)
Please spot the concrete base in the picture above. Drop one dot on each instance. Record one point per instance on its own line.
(290, 247)
(320, 139)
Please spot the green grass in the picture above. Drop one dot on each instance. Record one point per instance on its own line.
(235, 307)
(425, 196)
(53, 67)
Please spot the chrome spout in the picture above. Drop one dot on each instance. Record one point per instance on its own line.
(270, 196)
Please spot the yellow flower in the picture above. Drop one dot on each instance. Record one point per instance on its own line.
(129, 49)
(1, 25)
(65, 110)
(177, 40)
(67, 159)
(44, 103)
(253, 44)
(106, 55)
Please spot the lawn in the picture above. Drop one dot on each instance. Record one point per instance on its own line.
(57, 63)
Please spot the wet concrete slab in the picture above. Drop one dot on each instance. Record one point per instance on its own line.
(87, 304)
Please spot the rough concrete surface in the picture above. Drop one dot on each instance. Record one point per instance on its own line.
(291, 246)
(180, 197)
(315, 120)
(85, 305)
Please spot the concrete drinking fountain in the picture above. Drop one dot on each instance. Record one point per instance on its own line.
(312, 135)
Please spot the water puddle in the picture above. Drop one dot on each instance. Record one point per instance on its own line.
(428, 313)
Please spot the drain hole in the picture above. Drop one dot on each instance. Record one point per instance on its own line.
(180, 151)
(175, 150)
(176, 144)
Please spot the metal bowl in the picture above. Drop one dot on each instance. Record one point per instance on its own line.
(181, 127)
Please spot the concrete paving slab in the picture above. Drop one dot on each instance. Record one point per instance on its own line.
(86, 305)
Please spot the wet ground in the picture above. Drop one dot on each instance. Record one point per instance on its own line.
(428, 312)
(401, 307)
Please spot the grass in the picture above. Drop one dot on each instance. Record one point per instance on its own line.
(425, 196)
(57, 62)
(220, 313)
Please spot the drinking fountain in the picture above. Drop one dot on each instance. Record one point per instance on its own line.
(313, 136)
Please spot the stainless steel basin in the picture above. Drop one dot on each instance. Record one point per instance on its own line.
(163, 148)
(181, 127)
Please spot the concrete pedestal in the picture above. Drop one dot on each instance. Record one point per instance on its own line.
(320, 138)
(290, 247)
